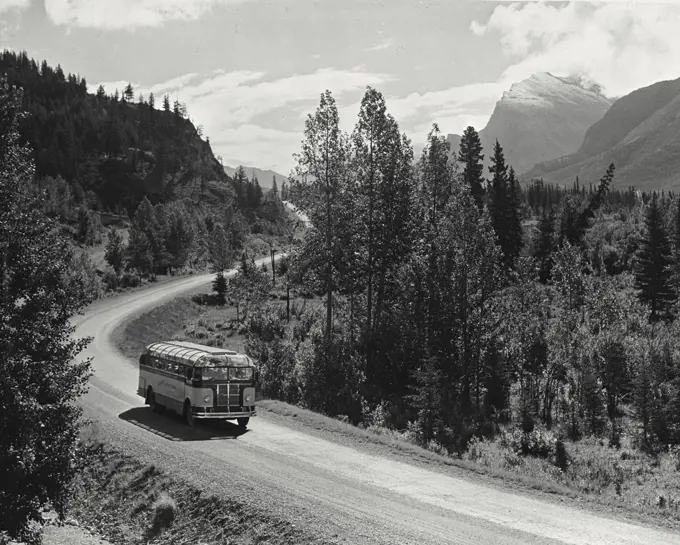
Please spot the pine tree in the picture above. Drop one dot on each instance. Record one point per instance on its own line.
(101, 92)
(139, 251)
(514, 219)
(219, 286)
(470, 154)
(544, 245)
(500, 204)
(653, 271)
(275, 187)
(115, 251)
(166, 103)
(40, 380)
(152, 101)
(129, 93)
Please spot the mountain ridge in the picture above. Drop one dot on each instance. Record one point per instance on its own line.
(541, 118)
(638, 133)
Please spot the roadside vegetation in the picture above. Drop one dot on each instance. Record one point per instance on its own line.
(40, 375)
(132, 503)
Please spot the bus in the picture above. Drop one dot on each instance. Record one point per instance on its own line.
(198, 382)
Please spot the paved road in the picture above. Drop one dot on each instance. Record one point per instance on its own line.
(341, 494)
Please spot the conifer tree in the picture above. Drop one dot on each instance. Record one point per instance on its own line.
(543, 246)
(499, 203)
(129, 93)
(514, 219)
(101, 92)
(115, 251)
(166, 103)
(470, 154)
(653, 272)
(152, 101)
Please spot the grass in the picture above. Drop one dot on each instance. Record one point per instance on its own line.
(131, 503)
(162, 323)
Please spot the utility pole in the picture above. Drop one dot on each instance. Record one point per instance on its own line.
(273, 251)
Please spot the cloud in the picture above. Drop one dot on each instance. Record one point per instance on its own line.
(453, 109)
(249, 144)
(381, 46)
(7, 5)
(126, 14)
(621, 45)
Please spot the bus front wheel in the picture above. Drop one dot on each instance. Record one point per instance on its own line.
(243, 421)
(188, 415)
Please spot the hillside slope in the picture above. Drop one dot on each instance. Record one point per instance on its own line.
(541, 118)
(640, 134)
(112, 150)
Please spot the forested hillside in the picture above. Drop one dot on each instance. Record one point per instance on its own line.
(99, 156)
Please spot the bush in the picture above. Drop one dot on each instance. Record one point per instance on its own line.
(538, 442)
(110, 280)
(164, 511)
(561, 458)
(129, 281)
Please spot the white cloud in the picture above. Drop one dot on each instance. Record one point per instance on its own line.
(7, 5)
(381, 46)
(252, 145)
(126, 14)
(227, 104)
(452, 109)
(621, 45)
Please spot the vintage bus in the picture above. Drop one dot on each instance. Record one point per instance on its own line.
(198, 381)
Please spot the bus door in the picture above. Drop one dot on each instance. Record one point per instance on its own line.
(191, 381)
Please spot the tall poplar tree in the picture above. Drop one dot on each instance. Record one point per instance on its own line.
(319, 188)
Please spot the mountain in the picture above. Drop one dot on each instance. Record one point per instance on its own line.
(640, 134)
(264, 177)
(541, 118)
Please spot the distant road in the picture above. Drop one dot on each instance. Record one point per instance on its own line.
(339, 493)
(297, 211)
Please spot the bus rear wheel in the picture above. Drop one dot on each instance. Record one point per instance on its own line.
(188, 415)
(243, 421)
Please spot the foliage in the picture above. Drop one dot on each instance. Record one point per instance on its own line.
(39, 379)
(653, 273)
(115, 251)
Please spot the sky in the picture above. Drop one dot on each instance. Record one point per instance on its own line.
(250, 71)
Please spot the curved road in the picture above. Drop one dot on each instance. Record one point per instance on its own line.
(338, 493)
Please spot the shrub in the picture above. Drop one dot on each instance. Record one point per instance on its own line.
(110, 281)
(561, 458)
(164, 511)
(129, 281)
(539, 442)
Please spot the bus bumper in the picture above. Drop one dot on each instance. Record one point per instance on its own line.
(223, 415)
